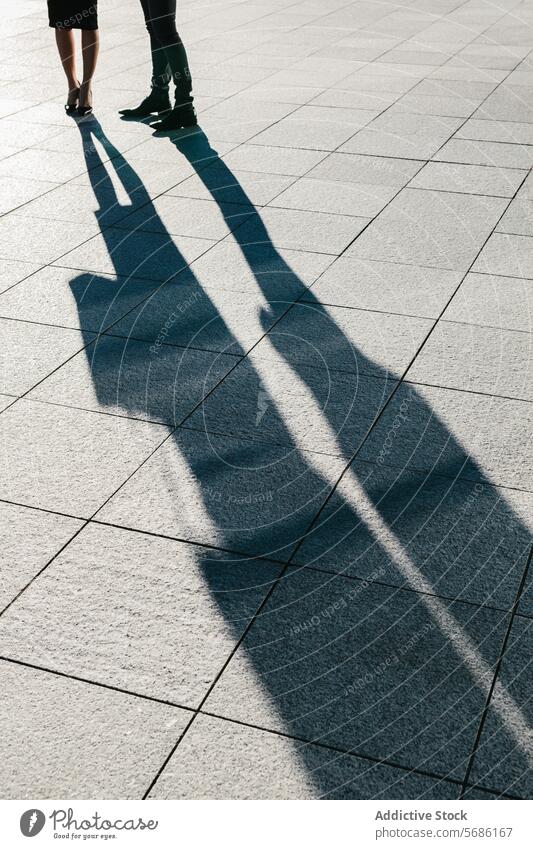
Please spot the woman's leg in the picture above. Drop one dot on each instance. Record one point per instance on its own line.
(67, 53)
(90, 45)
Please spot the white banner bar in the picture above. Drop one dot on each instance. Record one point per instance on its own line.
(262, 825)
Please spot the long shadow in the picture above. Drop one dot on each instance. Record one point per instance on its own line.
(358, 665)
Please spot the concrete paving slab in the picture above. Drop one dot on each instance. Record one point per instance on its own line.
(116, 741)
(385, 287)
(478, 359)
(375, 673)
(216, 755)
(30, 538)
(70, 460)
(32, 351)
(462, 539)
(457, 434)
(255, 499)
(440, 229)
(492, 301)
(133, 379)
(351, 340)
(502, 759)
(176, 617)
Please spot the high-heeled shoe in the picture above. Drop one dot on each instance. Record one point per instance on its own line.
(83, 111)
(73, 98)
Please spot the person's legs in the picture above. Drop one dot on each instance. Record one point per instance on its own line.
(160, 67)
(90, 44)
(158, 99)
(67, 53)
(162, 20)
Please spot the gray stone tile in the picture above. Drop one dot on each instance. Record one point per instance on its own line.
(471, 179)
(270, 400)
(407, 55)
(316, 128)
(116, 742)
(20, 133)
(237, 187)
(198, 219)
(185, 314)
(472, 90)
(366, 170)
(508, 255)
(302, 230)
(297, 94)
(77, 203)
(493, 301)
(135, 379)
(30, 538)
(139, 173)
(12, 271)
(272, 160)
(458, 434)
(55, 166)
(486, 56)
(503, 757)
(278, 273)
(356, 341)
(223, 760)
(386, 286)
(31, 351)
(501, 155)
(69, 298)
(176, 616)
(16, 191)
(152, 256)
(441, 536)
(367, 668)
(475, 793)
(526, 191)
(441, 229)
(518, 218)
(378, 83)
(432, 104)
(508, 103)
(497, 131)
(398, 133)
(353, 99)
(336, 197)
(479, 359)
(239, 118)
(67, 460)
(227, 492)
(38, 241)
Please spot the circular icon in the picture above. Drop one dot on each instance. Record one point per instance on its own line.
(32, 822)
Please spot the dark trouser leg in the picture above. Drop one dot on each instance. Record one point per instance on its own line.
(160, 66)
(162, 26)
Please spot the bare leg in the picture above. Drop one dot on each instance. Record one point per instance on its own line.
(67, 53)
(90, 44)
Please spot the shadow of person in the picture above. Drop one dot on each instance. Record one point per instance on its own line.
(381, 578)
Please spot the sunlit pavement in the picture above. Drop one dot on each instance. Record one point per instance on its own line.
(266, 403)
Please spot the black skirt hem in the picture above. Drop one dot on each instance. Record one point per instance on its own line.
(61, 25)
(73, 14)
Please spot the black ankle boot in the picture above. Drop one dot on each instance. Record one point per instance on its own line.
(157, 101)
(179, 118)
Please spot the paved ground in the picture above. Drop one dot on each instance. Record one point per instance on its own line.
(266, 484)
